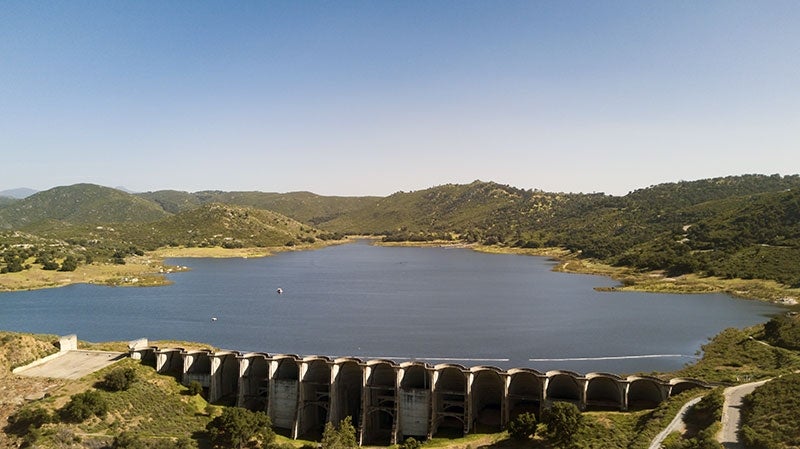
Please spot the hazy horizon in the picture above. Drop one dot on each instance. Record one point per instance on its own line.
(368, 98)
(126, 189)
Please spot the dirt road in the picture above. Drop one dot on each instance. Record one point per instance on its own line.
(731, 414)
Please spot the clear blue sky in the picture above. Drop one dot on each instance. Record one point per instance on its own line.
(372, 97)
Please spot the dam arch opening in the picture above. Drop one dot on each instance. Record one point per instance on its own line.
(525, 393)
(487, 392)
(604, 392)
(314, 398)
(450, 402)
(380, 415)
(564, 386)
(347, 387)
(645, 393)
(254, 381)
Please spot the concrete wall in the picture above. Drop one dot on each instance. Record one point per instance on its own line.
(389, 402)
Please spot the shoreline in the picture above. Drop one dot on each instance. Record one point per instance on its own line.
(631, 280)
(150, 271)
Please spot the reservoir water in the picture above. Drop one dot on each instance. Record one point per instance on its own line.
(442, 305)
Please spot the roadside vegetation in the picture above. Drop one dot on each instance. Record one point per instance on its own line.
(703, 423)
(771, 414)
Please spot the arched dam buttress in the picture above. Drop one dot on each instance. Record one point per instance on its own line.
(389, 402)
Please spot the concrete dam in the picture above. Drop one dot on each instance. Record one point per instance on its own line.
(390, 401)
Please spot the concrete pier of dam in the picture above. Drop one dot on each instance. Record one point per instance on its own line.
(390, 401)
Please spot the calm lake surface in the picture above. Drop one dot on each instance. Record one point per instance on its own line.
(443, 305)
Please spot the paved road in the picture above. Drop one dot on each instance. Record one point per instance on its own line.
(731, 416)
(677, 424)
(73, 364)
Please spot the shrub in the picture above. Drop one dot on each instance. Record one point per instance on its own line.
(411, 443)
(564, 421)
(342, 436)
(49, 265)
(236, 427)
(707, 411)
(27, 418)
(128, 440)
(771, 414)
(195, 388)
(70, 263)
(119, 379)
(83, 405)
(522, 427)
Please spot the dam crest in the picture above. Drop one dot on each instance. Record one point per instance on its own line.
(389, 401)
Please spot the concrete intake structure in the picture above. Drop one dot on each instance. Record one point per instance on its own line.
(390, 401)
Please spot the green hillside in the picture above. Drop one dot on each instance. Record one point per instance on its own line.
(89, 223)
(173, 201)
(302, 206)
(733, 227)
(79, 204)
(479, 207)
(223, 225)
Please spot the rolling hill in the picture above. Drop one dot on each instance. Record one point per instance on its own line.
(79, 204)
(224, 225)
(302, 206)
(738, 226)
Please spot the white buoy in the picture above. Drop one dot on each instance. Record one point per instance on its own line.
(279, 290)
(213, 318)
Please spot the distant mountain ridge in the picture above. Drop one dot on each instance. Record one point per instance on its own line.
(20, 193)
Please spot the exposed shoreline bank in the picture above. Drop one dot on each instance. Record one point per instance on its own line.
(150, 270)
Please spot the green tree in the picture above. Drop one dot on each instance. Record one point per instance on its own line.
(522, 427)
(70, 263)
(236, 427)
(22, 421)
(13, 263)
(564, 421)
(82, 406)
(49, 264)
(118, 257)
(342, 436)
(119, 379)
